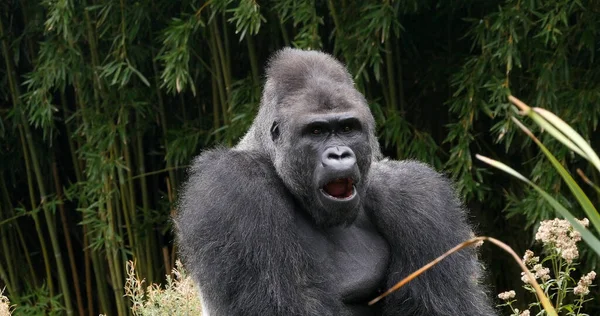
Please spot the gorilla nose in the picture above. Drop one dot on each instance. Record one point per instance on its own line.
(339, 157)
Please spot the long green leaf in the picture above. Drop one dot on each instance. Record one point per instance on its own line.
(581, 197)
(558, 134)
(503, 167)
(587, 236)
(590, 154)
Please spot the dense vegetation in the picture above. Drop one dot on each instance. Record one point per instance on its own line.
(104, 102)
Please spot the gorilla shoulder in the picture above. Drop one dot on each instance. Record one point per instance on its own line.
(417, 193)
(229, 178)
(230, 189)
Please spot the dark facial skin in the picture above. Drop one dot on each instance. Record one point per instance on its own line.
(329, 156)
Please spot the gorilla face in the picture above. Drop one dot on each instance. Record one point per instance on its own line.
(322, 150)
(319, 133)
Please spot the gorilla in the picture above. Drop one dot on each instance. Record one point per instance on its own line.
(305, 217)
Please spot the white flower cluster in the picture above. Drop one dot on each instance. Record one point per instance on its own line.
(532, 261)
(505, 296)
(529, 259)
(583, 286)
(559, 234)
(539, 272)
(525, 313)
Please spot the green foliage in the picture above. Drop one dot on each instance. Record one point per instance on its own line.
(38, 302)
(560, 130)
(105, 103)
(247, 18)
(539, 51)
(176, 53)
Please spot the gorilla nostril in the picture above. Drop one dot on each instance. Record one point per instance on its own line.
(338, 157)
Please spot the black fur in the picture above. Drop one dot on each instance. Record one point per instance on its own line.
(258, 241)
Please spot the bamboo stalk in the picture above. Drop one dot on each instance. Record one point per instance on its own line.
(69, 135)
(149, 240)
(111, 249)
(101, 286)
(91, 40)
(90, 257)
(130, 218)
(11, 211)
(284, 34)
(35, 216)
(219, 75)
(399, 71)
(163, 120)
(389, 64)
(12, 79)
(88, 272)
(16, 100)
(223, 61)
(215, 105)
(253, 62)
(226, 46)
(66, 230)
(4, 277)
(62, 275)
(9, 275)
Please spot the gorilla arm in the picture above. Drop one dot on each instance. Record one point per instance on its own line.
(239, 240)
(417, 212)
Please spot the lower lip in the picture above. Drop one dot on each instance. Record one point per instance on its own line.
(340, 199)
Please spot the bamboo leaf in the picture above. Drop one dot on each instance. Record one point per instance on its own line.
(139, 74)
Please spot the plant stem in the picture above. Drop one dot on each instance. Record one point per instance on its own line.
(66, 230)
(389, 63)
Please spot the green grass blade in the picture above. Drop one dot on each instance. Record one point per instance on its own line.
(503, 167)
(589, 238)
(568, 131)
(558, 134)
(581, 197)
(588, 181)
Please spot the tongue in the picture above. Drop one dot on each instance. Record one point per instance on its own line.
(337, 188)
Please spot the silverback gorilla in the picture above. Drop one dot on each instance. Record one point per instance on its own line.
(304, 217)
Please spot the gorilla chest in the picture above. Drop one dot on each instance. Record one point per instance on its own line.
(354, 258)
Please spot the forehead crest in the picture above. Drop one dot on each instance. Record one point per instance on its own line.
(291, 70)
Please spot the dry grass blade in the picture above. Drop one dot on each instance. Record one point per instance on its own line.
(520, 104)
(587, 180)
(540, 293)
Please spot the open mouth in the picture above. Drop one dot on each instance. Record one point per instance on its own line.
(339, 188)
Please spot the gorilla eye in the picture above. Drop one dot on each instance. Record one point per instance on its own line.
(274, 131)
(346, 129)
(317, 131)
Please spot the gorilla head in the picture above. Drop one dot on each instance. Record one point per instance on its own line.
(319, 133)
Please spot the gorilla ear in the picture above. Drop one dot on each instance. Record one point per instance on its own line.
(274, 131)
